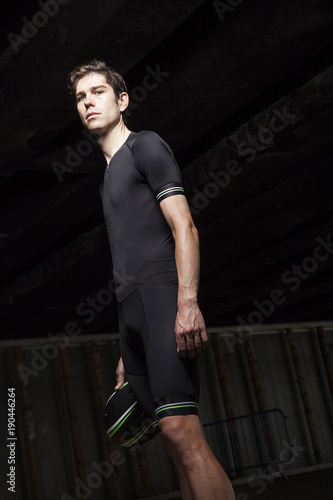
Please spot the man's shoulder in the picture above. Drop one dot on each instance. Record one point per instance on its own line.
(147, 136)
(148, 142)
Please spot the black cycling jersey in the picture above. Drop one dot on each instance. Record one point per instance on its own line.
(141, 174)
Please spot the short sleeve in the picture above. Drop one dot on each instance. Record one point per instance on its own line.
(155, 161)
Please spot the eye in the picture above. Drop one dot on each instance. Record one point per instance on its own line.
(99, 91)
(80, 98)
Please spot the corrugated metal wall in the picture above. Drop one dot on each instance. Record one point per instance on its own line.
(61, 450)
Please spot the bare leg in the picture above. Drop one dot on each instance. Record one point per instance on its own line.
(184, 484)
(189, 450)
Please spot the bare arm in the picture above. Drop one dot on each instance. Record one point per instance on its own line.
(191, 335)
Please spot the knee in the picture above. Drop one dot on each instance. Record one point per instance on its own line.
(172, 428)
(179, 432)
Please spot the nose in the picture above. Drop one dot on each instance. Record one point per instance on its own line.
(88, 100)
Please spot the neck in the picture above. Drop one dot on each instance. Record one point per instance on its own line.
(111, 141)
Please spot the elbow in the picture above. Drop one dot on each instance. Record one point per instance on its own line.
(186, 230)
(192, 227)
(191, 232)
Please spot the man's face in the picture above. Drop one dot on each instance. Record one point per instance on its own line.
(97, 105)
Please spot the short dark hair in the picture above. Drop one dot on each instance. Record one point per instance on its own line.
(98, 66)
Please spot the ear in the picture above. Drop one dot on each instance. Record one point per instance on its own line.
(123, 101)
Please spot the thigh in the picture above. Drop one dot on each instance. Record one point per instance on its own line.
(132, 337)
(171, 377)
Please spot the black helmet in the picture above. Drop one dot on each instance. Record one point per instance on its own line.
(125, 420)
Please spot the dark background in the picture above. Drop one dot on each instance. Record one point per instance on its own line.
(242, 92)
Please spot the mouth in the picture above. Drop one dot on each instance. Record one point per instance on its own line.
(91, 115)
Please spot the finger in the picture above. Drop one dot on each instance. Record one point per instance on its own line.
(181, 346)
(119, 384)
(204, 339)
(197, 342)
(191, 347)
(120, 380)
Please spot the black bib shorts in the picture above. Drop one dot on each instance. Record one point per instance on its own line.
(163, 382)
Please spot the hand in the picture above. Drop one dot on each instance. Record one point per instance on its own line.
(120, 374)
(190, 329)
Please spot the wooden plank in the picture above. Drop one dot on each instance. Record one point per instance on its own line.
(96, 358)
(28, 426)
(141, 457)
(223, 375)
(304, 396)
(72, 415)
(326, 357)
(226, 394)
(258, 390)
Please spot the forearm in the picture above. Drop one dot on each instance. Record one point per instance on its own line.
(191, 335)
(188, 263)
(190, 330)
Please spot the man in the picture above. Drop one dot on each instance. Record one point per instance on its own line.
(155, 254)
